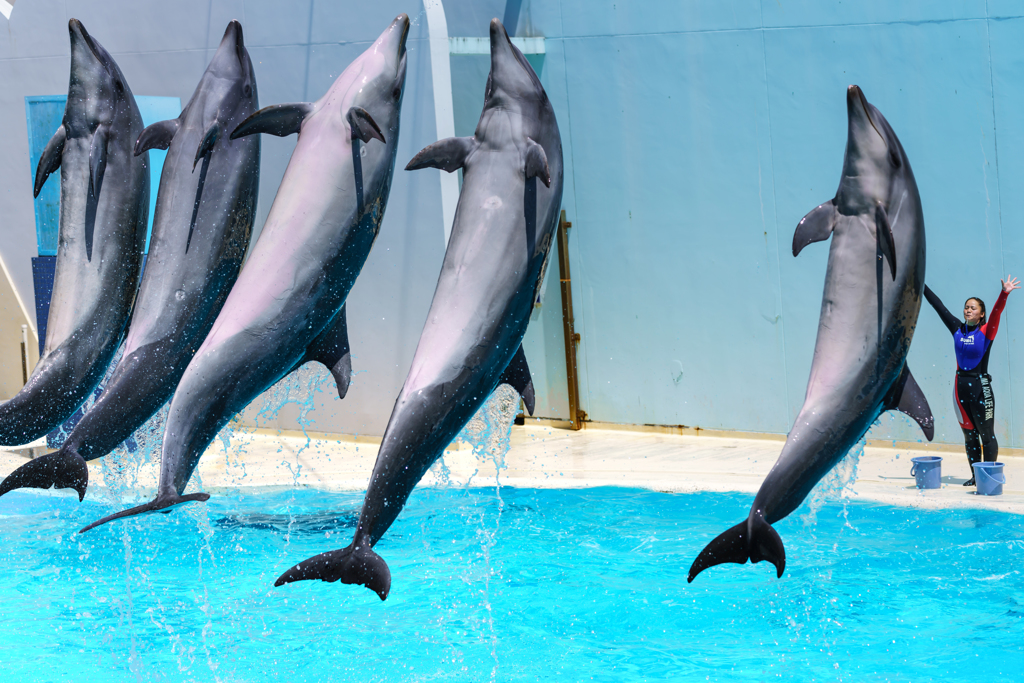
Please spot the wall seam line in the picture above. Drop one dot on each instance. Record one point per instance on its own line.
(580, 312)
(999, 203)
(775, 210)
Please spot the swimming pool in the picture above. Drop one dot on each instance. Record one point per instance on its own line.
(516, 584)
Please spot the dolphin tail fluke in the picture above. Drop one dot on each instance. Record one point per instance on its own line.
(356, 564)
(161, 504)
(735, 546)
(64, 469)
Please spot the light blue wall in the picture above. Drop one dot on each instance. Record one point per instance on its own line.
(696, 135)
(701, 132)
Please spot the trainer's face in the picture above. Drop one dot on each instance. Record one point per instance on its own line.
(972, 312)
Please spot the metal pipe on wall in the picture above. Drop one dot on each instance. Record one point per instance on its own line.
(576, 416)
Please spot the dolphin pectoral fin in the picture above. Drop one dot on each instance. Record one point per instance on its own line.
(885, 238)
(332, 349)
(815, 226)
(157, 136)
(60, 470)
(49, 160)
(354, 565)
(906, 396)
(159, 505)
(277, 119)
(363, 126)
(206, 146)
(448, 155)
(517, 375)
(734, 546)
(98, 159)
(536, 163)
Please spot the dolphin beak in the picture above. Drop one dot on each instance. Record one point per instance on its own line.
(392, 40)
(401, 22)
(81, 40)
(857, 106)
(233, 42)
(501, 46)
(233, 36)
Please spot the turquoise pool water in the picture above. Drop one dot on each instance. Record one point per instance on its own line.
(516, 585)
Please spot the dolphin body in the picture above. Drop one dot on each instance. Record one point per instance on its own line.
(504, 224)
(104, 206)
(201, 231)
(868, 314)
(287, 306)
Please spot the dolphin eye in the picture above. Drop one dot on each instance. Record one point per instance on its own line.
(247, 90)
(396, 92)
(119, 85)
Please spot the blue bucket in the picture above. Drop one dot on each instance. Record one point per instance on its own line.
(989, 478)
(927, 469)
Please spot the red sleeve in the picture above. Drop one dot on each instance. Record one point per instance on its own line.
(991, 326)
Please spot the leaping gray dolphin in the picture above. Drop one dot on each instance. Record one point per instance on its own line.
(287, 306)
(868, 315)
(201, 232)
(504, 224)
(104, 206)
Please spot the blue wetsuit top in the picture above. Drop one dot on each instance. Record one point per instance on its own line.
(972, 343)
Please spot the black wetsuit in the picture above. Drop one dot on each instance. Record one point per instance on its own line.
(972, 390)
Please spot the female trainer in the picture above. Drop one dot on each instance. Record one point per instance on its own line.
(972, 390)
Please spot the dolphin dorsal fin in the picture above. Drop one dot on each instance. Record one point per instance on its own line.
(885, 239)
(517, 375)
(98, 159)
(49, 160)
(331, 348)
(536, 163)
(206, 146)
(906, 396)
(278, 119)
(448, 155)
(815, 226)
(157, 136)
(363, 126)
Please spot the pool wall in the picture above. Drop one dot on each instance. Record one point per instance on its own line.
(696, 135)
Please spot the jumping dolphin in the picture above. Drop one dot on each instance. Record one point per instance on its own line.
(201, 232)
(504, 224)
(868, 314)
(104, 206)
(287, 306)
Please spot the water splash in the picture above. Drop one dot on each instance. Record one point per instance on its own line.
(489, 432)
(837, 485)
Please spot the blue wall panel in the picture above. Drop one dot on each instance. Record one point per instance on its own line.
(44, 116)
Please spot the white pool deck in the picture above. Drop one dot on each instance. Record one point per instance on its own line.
(550, 457)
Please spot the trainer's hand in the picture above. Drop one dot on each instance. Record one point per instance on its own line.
(1010, 283)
